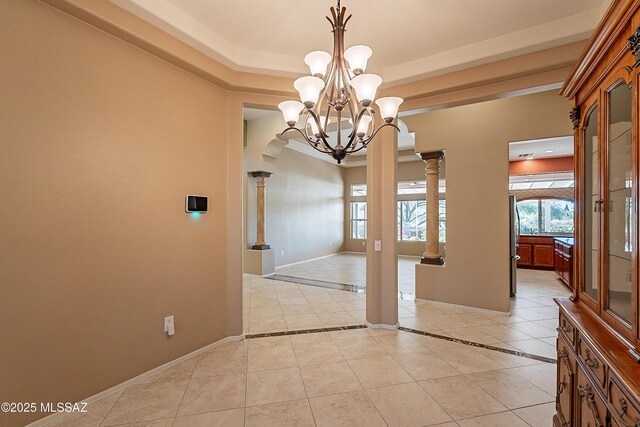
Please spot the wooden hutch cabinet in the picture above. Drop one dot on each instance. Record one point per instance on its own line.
(598, 382)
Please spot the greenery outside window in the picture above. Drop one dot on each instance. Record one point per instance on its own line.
(412, 220)
(546, 216)
(359, 220)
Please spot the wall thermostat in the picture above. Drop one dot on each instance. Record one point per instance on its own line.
(197, 204)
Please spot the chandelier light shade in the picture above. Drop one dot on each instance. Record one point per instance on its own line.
(317, 62)
(309, 88)
(389, 107)
(291, 111)
(357, 57)
(339, 91)
(366, 86)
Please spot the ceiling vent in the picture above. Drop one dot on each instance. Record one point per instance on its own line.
(523, 156)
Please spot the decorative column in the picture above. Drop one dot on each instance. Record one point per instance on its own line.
(382, 231)
(432, 255)
(261, 177)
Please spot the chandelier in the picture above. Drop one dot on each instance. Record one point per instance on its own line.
(344, 92)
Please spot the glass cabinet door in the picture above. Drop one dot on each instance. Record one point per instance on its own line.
(619, 210)
(591, 203)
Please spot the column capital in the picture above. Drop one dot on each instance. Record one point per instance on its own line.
(431, 155)
(260, 173)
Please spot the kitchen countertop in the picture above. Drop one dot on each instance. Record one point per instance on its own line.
(565, 240)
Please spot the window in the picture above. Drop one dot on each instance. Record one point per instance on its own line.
(540, 216)
(411, 211)
(412, 220)
(359, 190)
(359, 220)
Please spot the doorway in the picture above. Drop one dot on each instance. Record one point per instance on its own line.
(541, 190)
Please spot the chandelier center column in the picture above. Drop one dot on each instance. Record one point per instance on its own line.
(261, 177)
(432, 254)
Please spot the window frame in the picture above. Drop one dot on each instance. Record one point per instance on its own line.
(353, 220)
(540, 221)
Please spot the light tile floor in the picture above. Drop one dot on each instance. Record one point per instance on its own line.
(272, 306)
(351, 268)
(361, 377)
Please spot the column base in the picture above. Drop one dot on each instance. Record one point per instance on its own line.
(432, 261)
(260, 247)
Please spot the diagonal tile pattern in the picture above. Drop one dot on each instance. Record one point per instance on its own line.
(356, 377)
(427, 383)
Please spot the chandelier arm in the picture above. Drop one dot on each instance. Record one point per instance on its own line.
(344, 24)
(316, 118)
(378, 130)
(322, 133)
(355, 128)
(309, 141)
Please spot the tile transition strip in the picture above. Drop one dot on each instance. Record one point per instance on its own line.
(320, 283)
(410, 330)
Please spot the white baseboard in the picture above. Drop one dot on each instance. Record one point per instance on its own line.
(382, 325)
(57, 416)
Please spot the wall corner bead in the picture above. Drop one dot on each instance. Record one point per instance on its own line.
(634, 46)
(574, 116)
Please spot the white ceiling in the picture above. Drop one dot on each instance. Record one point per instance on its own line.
(409, 38)
(560, 147)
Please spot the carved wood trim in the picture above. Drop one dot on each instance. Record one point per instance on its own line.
(574, 116)
(634, 46)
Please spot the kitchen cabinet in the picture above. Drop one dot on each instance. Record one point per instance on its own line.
(536, 252)
(563, 260)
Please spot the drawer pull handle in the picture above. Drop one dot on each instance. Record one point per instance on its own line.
(593, 364)
(561, 386)
(623, 412)
(587, 394)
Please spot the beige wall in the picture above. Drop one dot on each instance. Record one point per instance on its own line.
(304, 208)
(304, 196)
(85, 113)
(100, 143)
(407, 171)
(476, 139)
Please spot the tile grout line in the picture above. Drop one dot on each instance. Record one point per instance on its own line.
(185, 391)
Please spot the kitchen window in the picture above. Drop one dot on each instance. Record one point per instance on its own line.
(546, 216)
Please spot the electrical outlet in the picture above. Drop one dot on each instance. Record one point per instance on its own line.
(169, 325)
(377, 245)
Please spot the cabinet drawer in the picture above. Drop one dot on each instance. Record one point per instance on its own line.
(593, 362)
(624, 411)
(591, 408)
(566, 329)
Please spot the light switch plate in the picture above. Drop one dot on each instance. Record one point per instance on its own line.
(169, 326)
